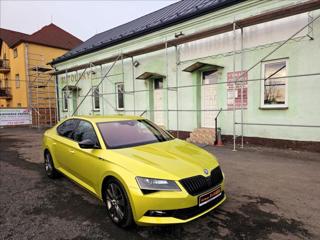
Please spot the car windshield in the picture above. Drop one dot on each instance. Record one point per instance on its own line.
(122, 134)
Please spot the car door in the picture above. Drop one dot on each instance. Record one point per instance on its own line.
(63, 143)
(86, 162)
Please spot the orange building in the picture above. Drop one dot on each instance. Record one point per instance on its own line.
(25, 80)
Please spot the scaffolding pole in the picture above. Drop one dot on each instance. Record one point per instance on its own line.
(242, 83)
(177, 87)
(133, 87)
(234, 86)
(105, 76)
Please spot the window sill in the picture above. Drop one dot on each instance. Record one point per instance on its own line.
(120, 109)
(96, 110)
(273, 107)
(65, 110)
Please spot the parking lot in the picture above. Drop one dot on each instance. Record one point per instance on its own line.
(272, 194)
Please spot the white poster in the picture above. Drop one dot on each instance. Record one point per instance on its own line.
(11, 117)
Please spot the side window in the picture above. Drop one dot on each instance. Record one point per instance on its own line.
(85, 131)
(66, 128)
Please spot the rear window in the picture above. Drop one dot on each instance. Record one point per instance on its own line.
(130, 133)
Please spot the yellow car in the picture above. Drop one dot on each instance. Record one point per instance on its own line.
(141, 172)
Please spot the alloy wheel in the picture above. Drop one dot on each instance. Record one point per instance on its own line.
(47, 164)
(116, 203)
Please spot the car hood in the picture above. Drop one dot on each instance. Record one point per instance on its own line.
(176, 159)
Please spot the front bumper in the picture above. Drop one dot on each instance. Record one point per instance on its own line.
(180, 207)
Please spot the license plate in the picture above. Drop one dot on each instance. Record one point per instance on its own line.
(209, 196)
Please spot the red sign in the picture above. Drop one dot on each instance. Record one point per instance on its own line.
(236, 86)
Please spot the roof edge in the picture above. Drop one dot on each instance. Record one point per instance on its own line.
(148, 31)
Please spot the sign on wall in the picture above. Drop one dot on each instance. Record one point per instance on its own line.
(234, 89)
(12, 116)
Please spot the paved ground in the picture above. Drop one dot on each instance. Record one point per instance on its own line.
(272, 194)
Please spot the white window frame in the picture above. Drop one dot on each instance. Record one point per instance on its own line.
(273, 106)
(17, 80)
(93, 98)
(15, 52)
(117, 98)
(65, 93)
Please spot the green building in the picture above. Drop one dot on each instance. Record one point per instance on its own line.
(253, 65)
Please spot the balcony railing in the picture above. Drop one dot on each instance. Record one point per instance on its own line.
(5, 92)
(4, 65)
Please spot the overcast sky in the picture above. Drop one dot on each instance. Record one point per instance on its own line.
(81, 18)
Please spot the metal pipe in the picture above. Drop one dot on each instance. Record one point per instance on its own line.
(56, 86)
(177, 85)
(280, 125)
(167, 80)
(242, 83)
(234, 87)
(133, 86)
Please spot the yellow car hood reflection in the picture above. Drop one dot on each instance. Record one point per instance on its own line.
(179, 158)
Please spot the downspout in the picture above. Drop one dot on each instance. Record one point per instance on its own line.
(28, 85)
(57, 97)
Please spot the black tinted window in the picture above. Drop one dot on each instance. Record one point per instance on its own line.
(66, 128)
(131, 133)
(85, 131)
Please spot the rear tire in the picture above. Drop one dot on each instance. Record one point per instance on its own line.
(49, 166)
(117, 203)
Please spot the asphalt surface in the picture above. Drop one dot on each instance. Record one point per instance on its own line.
(272, 194)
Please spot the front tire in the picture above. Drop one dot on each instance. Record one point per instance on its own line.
(117, 203)
(49, 166)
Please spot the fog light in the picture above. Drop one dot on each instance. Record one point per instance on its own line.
(156, 213)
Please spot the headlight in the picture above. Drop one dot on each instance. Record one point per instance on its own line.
(157, 184)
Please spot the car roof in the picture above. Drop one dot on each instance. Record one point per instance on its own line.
(106, 118)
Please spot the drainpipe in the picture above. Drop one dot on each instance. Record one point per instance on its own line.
(57, 97)
(29, 93)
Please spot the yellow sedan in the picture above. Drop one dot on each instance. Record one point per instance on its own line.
(141, 172)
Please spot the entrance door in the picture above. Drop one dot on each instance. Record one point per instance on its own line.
(208, 98)
(158, 101)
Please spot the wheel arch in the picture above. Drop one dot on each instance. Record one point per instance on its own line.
(111, 175)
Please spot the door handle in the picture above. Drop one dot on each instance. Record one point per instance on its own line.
(71, 151)
(54, 143)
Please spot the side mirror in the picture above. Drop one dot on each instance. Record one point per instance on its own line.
(87, 144)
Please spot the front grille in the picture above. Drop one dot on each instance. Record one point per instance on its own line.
(199, 184)
(186, 213)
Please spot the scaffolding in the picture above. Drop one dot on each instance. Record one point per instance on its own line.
(41, 91)
(234, 27)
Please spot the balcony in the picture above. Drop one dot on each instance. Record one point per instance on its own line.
(4, 66)
(5, 93)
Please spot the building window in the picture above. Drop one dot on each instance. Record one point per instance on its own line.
(65, 100)
(120, 96)
(18, 104)
(17, 81)
(158, 83)
(15, 52)
(274, 86)
(96, 98)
